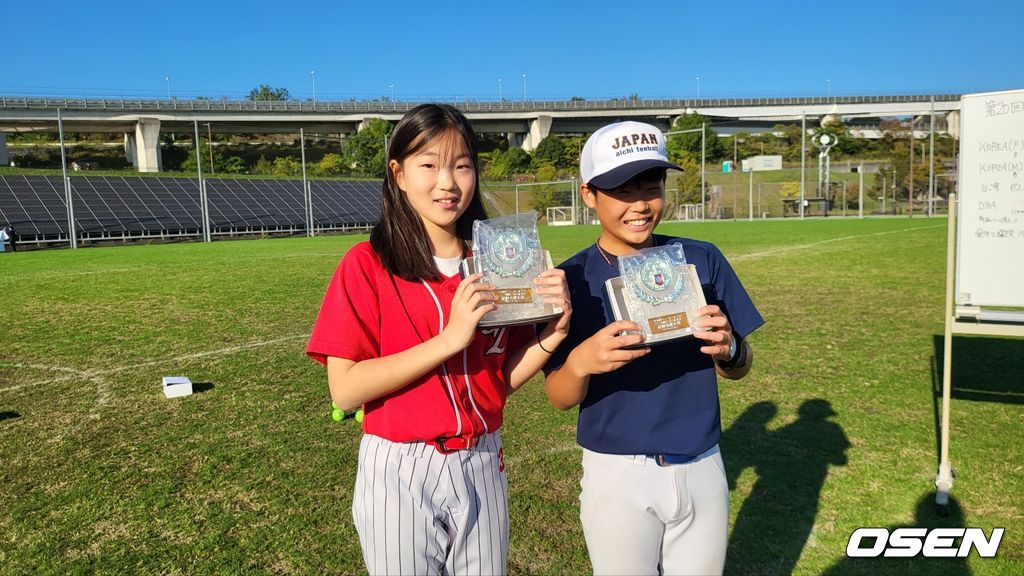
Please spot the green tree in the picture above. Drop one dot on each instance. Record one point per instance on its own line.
(287, 166)
(792, 142)
(573, 145)
(365, 150)
(190, 164)
(513, 161)
(331, 164)
(263, 166)
(231, 165)
(688, 182)
(690, 143)
(518, 160)
(265, 92)
(543, 197)
(550, 151)
(789, 190)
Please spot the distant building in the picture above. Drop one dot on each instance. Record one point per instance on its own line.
(762, 163)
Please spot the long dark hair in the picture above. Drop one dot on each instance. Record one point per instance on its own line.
(400, 238)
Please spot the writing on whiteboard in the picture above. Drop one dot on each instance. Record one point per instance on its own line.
(1008, 145)
(999, 233)
(1000, 107)
(997, 220)
(1001, 167)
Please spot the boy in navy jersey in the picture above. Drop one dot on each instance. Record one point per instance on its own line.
(654, 497)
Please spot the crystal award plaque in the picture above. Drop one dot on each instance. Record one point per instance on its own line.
(659, 291)
(507, 251)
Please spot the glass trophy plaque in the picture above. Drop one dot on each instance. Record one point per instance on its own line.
(507, 251)
(658, 290)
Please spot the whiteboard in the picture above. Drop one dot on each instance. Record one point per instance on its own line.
(990, 235)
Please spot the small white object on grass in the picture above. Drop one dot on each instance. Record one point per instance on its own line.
(175, 386)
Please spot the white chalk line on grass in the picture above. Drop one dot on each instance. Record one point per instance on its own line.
(337, 255)
(89, 374)
(102, 386)
(71, 373)
(102, 393)
(163, 268)
(783, 250)
(49, 275)
(220, 352)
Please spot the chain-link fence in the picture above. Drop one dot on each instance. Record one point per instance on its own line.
(739, 195)
(756, 195)
(557, 199)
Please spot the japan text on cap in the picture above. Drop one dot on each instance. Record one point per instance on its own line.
(619, 151)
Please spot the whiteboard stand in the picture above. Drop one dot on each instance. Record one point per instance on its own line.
(966, 320)
(985, 241)
(944, 479)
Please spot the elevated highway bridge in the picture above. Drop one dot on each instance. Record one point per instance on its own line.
(525, 123)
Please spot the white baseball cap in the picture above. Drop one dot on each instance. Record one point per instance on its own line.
(619, 151)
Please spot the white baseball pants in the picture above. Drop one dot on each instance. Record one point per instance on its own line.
(642, 518)
(418, 511)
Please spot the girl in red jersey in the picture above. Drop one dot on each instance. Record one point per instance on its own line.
(398, 333)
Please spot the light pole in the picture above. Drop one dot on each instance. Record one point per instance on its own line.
(824, 142)
(392, 87)
(167, 79)
(524, 88)
(882, 172)
(698, 87)
(910, 174)
(209, 141)
(312, 74)
(499, 91)
(750, 197)
(860, 190)
(803, 160)
(828, 88)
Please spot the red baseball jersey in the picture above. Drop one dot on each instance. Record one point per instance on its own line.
(368, 313)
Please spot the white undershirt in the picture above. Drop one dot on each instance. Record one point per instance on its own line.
(448, 266)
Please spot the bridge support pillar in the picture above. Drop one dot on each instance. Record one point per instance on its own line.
(540, 127)
(129, 148)
(146, 145)
(5, 159)
(515, 139)
(953, 123)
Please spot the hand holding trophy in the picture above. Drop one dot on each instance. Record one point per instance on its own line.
(507, 251)
(658, 290)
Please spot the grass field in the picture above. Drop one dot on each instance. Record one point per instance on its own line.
(834, 429)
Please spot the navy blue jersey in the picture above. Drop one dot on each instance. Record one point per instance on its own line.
(667, 401)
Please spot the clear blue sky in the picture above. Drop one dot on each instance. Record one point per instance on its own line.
(453, 50)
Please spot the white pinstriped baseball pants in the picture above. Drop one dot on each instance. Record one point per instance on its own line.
(641, 518)
(418, 511)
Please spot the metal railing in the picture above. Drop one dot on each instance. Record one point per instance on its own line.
(385, 106)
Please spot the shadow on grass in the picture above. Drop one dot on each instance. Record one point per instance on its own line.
(8, 415)
(984, 369)
(926, 515)
(200, 387)
(791, 464)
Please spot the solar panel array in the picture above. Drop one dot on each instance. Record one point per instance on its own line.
(134, 207)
